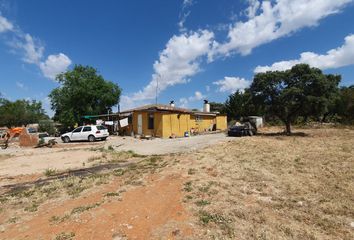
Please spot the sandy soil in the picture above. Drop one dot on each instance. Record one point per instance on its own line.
(15, 161)
(265, 187)
(164, 146)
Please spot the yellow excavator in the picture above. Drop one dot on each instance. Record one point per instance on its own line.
(7, 134)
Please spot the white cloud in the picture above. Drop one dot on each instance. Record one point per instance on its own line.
(183, 102)
(177, 62)
(32, 50)
(268, 21)
(207, 88)
(232, 84)
(335, 58)
(197, 96)
(21, 85)
(184, 14)
(54, 65)
(5, 25)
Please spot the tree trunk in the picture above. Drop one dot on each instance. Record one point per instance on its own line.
(288, 128)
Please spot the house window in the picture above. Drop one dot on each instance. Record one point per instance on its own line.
(198, 118)
(151, 121)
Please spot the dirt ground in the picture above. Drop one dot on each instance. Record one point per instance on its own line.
(268, 186)
(15, 161)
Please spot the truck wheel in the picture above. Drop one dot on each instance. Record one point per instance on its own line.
(66, 139)
(91, 138)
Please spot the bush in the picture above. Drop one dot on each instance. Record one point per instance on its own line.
(47, 126)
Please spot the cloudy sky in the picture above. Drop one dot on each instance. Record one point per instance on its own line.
(191, 49)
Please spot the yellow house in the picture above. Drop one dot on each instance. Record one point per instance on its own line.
(166, 121)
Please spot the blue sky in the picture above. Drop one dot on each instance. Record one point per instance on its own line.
(193, 49)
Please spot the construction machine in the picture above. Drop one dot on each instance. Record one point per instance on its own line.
(25, 137)
(7, 134)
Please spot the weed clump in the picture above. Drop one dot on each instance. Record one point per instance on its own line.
(50, 172)
(65, 236)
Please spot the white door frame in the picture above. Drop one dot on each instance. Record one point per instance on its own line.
(140, 124)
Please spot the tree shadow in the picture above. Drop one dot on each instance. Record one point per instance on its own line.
(283, 134)
(82, 172)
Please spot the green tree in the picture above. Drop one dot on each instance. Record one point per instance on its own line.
(302, 90)
(20, 112)
(240, 104)
(47, 126)
(217, 107)
(82, 92)
(344, 107)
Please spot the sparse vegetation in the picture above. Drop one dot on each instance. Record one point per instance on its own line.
(50, 172)
(81, 209)
(65, 236)
(188, 186)
(112, 194)
(201, 203)
(284, 188)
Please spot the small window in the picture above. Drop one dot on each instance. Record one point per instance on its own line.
(77, 130)
(198, 118)
(87, 129)
(151, 121)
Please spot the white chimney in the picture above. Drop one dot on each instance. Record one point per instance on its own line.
(172, 103)
(206, 107)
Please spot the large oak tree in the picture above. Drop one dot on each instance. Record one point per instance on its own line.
(300, 91)
(82, 92)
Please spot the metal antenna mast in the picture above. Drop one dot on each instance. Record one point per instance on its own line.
(157, 89)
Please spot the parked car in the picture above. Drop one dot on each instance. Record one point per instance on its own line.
(244, 129)
(90, 133)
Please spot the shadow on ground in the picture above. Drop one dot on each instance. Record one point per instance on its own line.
(83, 172)
(283, 134)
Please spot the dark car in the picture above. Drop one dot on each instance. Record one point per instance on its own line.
(245, 129)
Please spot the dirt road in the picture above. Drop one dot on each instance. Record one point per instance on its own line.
(16, 161)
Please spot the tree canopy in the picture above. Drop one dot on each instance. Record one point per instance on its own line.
(82, 92)
(20, 112)
(240, 104)
(344, 106)
(302, 90)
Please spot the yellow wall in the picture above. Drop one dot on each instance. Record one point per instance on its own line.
(167, 124)
(156, 132)
(174, 123)
(221, 122)
(205, 123)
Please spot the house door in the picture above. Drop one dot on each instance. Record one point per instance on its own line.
(140, 124)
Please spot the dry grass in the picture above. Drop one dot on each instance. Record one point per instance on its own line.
(275, 187)
(264, 187)
(62, 185)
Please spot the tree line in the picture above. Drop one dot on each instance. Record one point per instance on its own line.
(82, 91)
(300, 93)
(20, 112)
